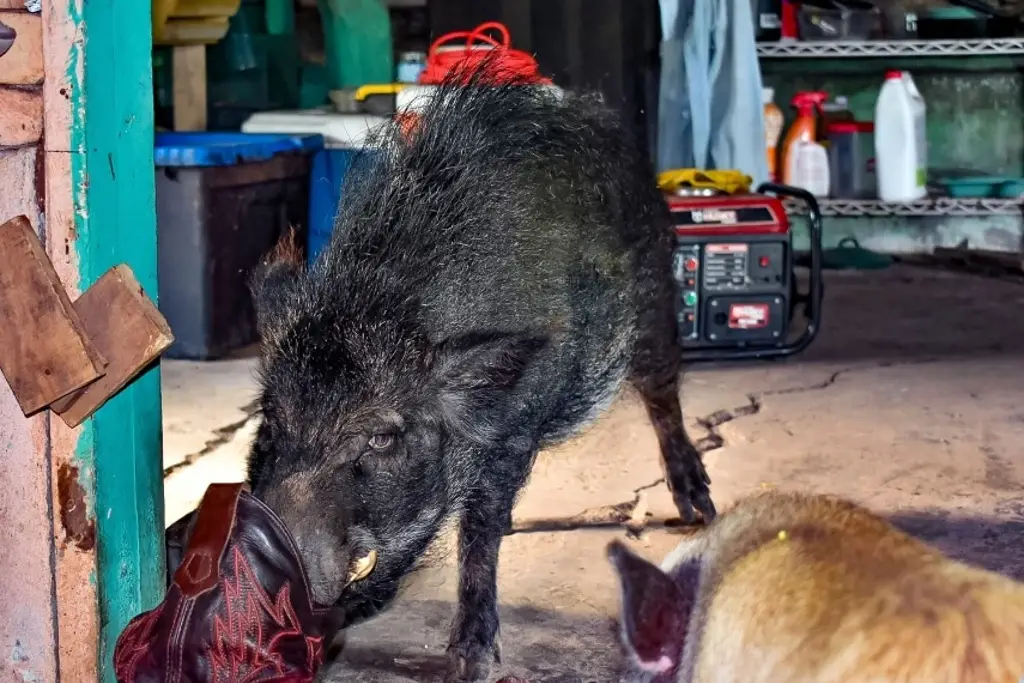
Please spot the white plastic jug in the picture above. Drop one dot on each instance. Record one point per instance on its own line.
(901, 147)
(810, 169)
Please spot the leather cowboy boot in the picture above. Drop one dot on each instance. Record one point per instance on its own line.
(238, 607)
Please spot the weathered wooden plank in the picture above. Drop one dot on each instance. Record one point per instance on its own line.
(23, 63)
(73, 472)
(112, 181)
(188, 66)
(52, 626)
(21, 116)
(126, 328)
(45, 353)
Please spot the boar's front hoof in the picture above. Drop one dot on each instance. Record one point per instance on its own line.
(699, 501)
(691, 494)
(470, 663)
(706, 508)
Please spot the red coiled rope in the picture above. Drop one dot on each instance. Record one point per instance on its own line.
(510, 63)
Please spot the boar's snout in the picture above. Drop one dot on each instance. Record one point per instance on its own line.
(331, 565)
(322, 534)
(326, 560)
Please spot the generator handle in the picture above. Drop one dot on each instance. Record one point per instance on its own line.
(815, 286)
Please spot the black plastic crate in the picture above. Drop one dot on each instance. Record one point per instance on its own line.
(220, 209)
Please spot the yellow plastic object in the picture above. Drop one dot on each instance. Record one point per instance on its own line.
(191, 22)
(365, 91)
(193, 31)
(732, 182)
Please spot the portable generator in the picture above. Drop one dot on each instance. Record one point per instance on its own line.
(734, 264)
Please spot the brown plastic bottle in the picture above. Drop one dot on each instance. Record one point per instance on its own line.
(773, 123)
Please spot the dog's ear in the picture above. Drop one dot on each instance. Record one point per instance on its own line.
(655, 611)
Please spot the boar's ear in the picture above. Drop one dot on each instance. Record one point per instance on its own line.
(271, 283)
(655, 611)
(474, 371)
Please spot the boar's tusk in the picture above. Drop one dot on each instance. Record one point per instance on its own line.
(363, 567)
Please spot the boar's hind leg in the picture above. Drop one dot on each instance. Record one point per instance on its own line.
(655, 374)
(474, 639)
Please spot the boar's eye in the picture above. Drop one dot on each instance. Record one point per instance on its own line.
(379, 442)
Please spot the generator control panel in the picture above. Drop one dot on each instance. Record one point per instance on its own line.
(732, 265)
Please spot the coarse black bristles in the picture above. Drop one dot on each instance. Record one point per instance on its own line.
(494, 277)
(406, 201)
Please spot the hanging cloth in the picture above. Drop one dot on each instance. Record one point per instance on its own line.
(710, 114)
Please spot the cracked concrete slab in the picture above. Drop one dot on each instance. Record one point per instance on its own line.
(910, 401)
(208, 421)
(184, 486)
(201, 398)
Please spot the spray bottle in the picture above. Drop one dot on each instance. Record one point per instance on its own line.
(803, 129)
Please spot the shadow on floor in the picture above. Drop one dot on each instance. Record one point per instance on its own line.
(995, 544)
(907, 312)
(408, 644)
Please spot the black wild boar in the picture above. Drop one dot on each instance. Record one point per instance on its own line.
(493, 280)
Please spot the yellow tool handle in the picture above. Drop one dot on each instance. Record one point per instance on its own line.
(730, 181)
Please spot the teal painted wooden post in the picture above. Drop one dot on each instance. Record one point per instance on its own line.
(118, 225)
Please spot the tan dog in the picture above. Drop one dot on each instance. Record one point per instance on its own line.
(788, 588)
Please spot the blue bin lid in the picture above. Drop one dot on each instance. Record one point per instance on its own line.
(227, 148)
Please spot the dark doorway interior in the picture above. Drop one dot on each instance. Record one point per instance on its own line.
(605, 45)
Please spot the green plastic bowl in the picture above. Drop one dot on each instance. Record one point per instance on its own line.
(1012, 188)
(952, 12)
(977, 187)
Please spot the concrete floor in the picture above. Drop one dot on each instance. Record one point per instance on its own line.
(910, 401)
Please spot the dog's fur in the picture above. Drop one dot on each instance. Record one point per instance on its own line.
(791, 588)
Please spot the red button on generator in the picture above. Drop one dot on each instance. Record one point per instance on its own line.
(691, 264)
(763, 261)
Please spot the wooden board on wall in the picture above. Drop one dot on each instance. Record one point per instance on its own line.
(44, 349)
(73, 469)
(126, 328)
(23, 63)
(21, 116)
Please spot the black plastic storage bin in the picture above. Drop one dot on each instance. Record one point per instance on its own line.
(839, 20)
(223, 200)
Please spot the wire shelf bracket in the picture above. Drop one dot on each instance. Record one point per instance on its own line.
(939, 206)
(891, 48)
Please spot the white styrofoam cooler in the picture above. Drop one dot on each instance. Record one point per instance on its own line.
(340, 131)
